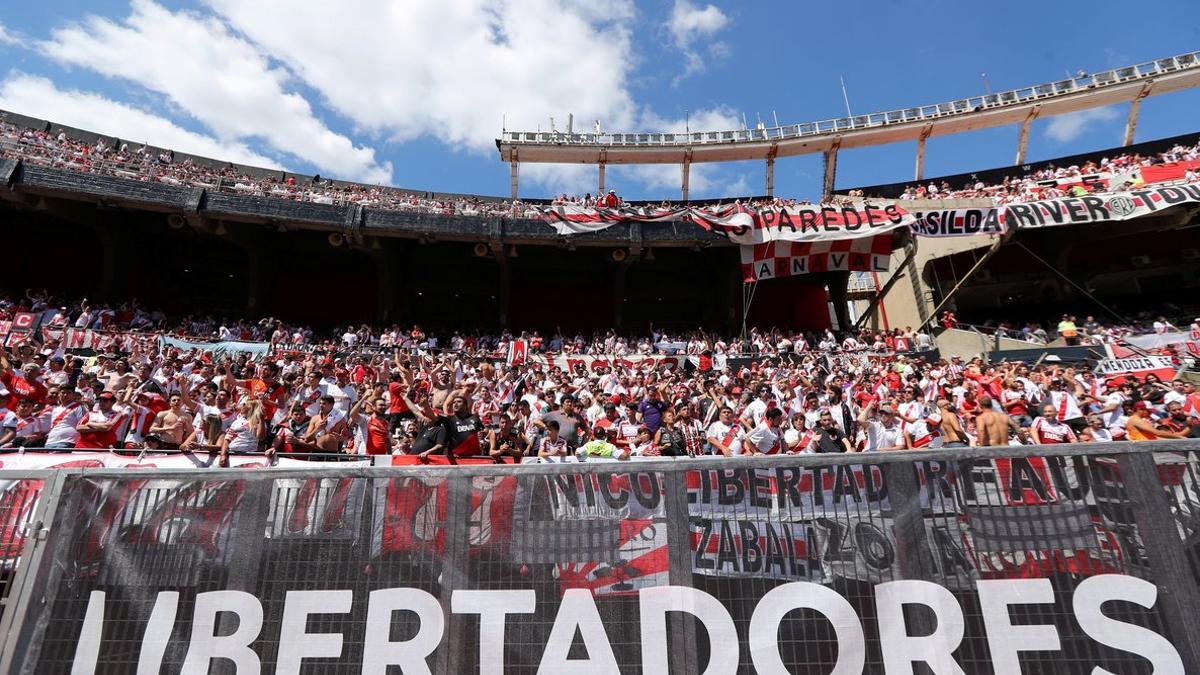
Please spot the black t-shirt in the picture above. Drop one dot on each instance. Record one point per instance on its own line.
(462, 434)
(829, 439)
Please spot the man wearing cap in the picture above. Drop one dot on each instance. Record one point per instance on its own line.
(883, 429)
(98, 430)
(1141, 428)
(1068, 331)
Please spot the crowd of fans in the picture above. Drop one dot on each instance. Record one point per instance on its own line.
(145, 164)
(1090, 332)
(1115, 174)
(411, 393)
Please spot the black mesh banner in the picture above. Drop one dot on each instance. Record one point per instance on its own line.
(950, 562)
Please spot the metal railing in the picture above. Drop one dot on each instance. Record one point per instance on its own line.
(922, 113)
(116, 554)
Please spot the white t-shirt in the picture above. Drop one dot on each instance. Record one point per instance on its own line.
(34, 425)
(765, 438)
(731, 436)
(754, 411)
(1111, 417)
(1065, 404)
(241, 436)
(63, 421)
(880, 436)
(925, 432)
(1174, 397)
(8, 420)
(344, 396)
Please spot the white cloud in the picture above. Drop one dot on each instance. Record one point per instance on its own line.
(7, 38)
(402, 70)
(37, 96)
(218, 78)
(740, 187)
(453, 70)
(665, 180)
(1066, 128)
(689, 23)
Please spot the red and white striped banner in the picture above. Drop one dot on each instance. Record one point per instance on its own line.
(788, 258)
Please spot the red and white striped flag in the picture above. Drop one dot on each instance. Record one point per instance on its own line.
(517, 351)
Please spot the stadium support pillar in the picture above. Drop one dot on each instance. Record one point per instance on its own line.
(505, 291)
(1135, 107)
(839, 295)
(771, 170)
(686, 170)
(600, 191)
(830, 168)
(920, 172)
(383, 253)
(515, 172)
(618, 287)
(1023, 137)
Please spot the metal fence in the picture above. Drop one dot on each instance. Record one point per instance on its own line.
(1017, 559)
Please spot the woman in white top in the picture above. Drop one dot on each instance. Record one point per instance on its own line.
(246, 431)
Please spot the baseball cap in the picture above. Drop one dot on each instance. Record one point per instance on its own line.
(106, 396)
(1141, 405)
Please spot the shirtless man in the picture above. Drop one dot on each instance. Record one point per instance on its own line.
(119, 378)
(952, 431)
(326, 430)
(173, 424)
(991, 427)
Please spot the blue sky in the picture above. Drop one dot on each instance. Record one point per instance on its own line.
(412, 92)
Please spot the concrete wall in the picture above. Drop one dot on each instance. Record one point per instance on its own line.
(968, 343)
(910, 301)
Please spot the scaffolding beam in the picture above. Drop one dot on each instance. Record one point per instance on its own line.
(1135, 107)
(685, 170)
(830, 168)
(771, 171)
(515, 172)
(1023, 137)
(920, 172)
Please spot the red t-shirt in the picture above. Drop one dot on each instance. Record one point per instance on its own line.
(396, 404)
(378, 434)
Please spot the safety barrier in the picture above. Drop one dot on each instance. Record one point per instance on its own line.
(1015, 559)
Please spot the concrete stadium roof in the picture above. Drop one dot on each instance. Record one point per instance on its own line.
(1018, 106)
